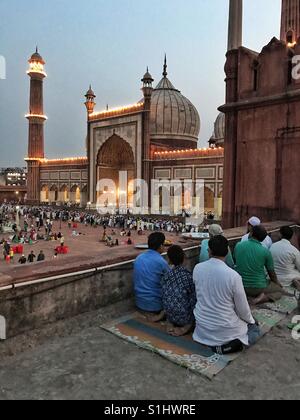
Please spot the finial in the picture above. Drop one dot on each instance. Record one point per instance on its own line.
(107, 107)
(165, 72)
(37, 49)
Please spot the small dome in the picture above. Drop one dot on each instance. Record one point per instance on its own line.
(219, 131)
(37, 57)
(174, 119)
(147, 76)
(90, 92)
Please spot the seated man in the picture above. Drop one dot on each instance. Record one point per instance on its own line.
(286, 259)
(178, 294)
(149, 269)
(253, 222)
(252, 259)
(223, 317)
(214, 230)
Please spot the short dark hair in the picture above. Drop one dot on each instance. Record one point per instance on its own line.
(156, 240)
(259, 233)
(219, 246)
(176, 255)
(287, 232)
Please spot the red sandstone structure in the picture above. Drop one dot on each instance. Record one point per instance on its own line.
(262, 139)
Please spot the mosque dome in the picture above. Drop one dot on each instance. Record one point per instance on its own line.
(218, 136)
(175, 122)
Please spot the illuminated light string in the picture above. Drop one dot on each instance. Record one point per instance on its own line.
(126, 108)
(192, 151)
(42, 117)
(44, 160)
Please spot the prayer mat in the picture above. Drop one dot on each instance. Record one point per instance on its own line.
(183, 351)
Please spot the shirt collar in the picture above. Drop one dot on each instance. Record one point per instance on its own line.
(255, 240)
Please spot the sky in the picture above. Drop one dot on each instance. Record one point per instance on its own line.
(109, 43)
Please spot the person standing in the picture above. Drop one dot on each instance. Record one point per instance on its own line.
(41, 257)
(31, 257)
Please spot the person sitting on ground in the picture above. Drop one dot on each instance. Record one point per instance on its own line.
(178, 294)
(286, 259)
(41, 257)
(31, 257)
(214, 230)
(253, 222)
(252, 262)
(23, 260)
(149, 268)
(223, 317)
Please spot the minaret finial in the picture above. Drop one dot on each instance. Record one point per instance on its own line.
(165, 72)
(37, 49)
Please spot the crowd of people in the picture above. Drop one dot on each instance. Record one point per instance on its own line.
(214, 302)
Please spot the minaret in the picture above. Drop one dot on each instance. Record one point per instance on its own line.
(90, 106)
(290, 21)
(147, 89)
(36, 120)
(235, 28)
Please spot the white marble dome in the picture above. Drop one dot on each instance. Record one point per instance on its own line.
(175, 121)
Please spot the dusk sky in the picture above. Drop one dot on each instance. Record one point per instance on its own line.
(109, 44)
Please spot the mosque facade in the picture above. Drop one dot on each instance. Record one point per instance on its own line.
(155, 139)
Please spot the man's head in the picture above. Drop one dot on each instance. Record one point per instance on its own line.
(176, 255)
(253, 222)
(218, 247)
(215, 230)
(156, 242)
(286, 232)
(259, 233)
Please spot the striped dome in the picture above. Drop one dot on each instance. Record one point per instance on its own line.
(174, 119)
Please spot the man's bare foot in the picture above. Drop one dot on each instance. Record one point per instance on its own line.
(296, 284)
(261, 299)
(155, 317)
(181, 331)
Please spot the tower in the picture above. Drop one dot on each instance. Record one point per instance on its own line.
(36, 120)
(235, 27)
(90, 101)
(290, 21)
(147, 89)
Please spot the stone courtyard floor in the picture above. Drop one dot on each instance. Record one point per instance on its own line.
(75, 359)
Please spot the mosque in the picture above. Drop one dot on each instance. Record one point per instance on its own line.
(250, 167)
(156, 138)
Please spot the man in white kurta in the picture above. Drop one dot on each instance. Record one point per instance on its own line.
(253, 222)
(286, 258)
(222, 312)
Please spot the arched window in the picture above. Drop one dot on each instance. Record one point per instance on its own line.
(255, 75)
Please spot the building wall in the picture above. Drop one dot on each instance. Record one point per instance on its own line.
(262, 141)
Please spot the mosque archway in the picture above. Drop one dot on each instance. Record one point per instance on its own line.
(115, 156)
(53, 194)
(44, 198)
(64, 196)
(75, 194)
(209, 199)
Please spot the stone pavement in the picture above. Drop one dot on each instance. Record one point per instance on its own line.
(80, 361)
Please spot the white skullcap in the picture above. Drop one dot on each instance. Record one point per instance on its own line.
(254, 221)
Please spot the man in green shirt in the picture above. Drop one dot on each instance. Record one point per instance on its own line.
(252, 262)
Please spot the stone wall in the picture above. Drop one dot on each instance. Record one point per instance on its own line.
(32, 306)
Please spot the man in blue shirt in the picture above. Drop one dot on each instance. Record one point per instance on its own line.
(149, 269)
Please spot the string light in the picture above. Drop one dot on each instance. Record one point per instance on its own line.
(62, 160)
(204, 151)
(117, 111)
(42, 117)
